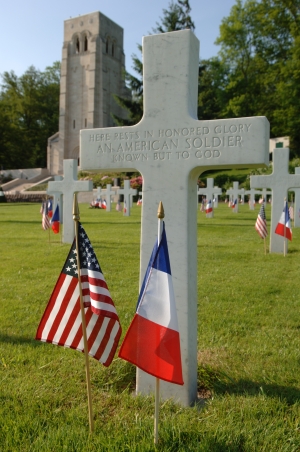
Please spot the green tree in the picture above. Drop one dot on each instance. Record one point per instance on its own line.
(212, 93)
(176, 17)
(260, 45)
(29, 109)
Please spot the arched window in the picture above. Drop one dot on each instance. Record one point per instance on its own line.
(77, 45)
(107, 44)
(85, 43)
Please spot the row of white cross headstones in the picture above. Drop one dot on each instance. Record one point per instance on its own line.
(171, 148)
(63, 188)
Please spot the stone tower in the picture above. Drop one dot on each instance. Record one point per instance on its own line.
(92, 70)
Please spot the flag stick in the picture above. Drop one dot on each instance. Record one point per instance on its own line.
(87, 364)
(265, 245)
(160, 216)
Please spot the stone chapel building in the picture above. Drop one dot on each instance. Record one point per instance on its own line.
(92, 70)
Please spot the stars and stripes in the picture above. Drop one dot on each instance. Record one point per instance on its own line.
(45, 217)
(61, 323)
(261, 223)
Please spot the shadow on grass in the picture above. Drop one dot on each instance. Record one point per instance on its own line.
(214, 381)
(19, 340)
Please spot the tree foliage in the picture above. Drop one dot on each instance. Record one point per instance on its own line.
(260, 46)
(29, 113)
(176, 17)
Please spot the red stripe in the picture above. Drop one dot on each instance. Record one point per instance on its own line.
(95, 332)
(105, 339)
(64, 304)
(114, 347)
(50, 305)
(55, 227)
(70, 323)
(79, 334)
(280, 230)
(104, 313)
(154, 349)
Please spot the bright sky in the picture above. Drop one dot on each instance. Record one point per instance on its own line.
(31, 31)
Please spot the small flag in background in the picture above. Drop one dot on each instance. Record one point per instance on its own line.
(291, 212)
(261, 223)
(55, 221)
(45, 218)
(233, 206)
(139, 202)
(152, 341)
(284, 226)
(118, 207)
(49, 207)
(124, 208)
(208, 208)
(103, 204)
(61, 323)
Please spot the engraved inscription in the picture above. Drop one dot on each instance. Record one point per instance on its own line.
(170, 144)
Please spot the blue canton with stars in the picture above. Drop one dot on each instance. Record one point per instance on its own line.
(86, 255)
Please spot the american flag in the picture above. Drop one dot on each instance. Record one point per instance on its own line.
(61, 323)
(45, 218)
(261, 223)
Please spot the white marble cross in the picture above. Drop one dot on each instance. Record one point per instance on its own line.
(252, 192)
(108, 194)
(99, 191)
(265, 193)
(210, 191)
(235, 192)
(217, 193)
(128, 193)
(68, 186)
(280, 181)
(57, 200)
(170, 148)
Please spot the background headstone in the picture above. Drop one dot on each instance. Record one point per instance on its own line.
(280, 181)
(252, 192)
(67, 187)
(127, 192)
(57, 200)
(235, 192)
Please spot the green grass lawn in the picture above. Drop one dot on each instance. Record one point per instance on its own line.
(248, 342)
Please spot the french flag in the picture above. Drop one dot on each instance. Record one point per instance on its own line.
(49, 208)
(152, 341)
(284, 226)
(209, 209)
(103, 204)
(55, 221)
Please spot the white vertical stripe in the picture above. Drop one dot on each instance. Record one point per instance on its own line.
(56, 306)
(67, 314)
(90, 326)
(74, 330)
(110, 342)
(99, 337)
(158, 302)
